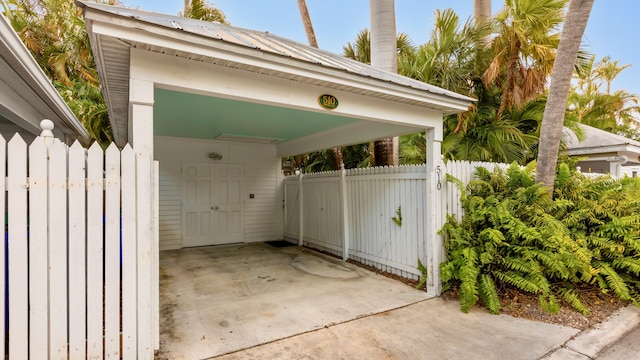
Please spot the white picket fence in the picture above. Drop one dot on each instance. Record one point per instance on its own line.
(81, 277)
(354, 210)
(361, 204)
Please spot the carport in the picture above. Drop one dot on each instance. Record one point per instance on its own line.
(218, 107)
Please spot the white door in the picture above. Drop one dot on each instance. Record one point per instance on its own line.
(227, 204)
(212, 204)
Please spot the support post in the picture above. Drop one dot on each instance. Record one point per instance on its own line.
(433, 241)
(615, 169)
(141, 98)
(345, 214)
(300, 211)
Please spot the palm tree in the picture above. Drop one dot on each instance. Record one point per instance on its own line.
(413, 149)
(480, 135)
(448, 58)
(454, 58)
(482, 14)
(524, 49)
(589, 105)
(608, 70)
(384, 56)
(203, 10)
(553, 118)
(360, 49)
(55, 34)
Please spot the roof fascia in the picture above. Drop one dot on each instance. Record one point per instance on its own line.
(604, 149)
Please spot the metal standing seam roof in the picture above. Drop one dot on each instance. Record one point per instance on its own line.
(267, 42)
(596, 138)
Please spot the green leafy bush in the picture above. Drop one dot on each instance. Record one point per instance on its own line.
(513, 235)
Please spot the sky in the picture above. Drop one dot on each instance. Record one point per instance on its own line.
(613, 28)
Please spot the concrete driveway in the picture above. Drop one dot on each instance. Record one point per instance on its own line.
(218, 300)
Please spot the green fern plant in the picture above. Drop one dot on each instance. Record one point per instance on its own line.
(514, 236)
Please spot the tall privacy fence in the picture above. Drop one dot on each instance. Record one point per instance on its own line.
(375, 216)
(77, 269)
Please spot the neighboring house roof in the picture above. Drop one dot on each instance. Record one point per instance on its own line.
(27, 95)
(598, 142)
(249, 50)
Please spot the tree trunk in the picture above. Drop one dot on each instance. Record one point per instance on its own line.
(384, 49)
(383, 152)
(306, 22)
(481, 10)
(384, 55)
(482, 13)
(187, 3)
(553, 118)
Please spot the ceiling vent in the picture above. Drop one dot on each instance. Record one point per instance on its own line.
(253, 139)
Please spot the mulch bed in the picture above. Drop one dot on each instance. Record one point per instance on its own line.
(525, 305)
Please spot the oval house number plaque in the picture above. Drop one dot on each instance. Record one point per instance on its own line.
(328, 102)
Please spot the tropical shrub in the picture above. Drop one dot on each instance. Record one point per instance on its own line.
(513, 235)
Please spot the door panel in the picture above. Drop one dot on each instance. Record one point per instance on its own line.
(228, 200)
(212, 204)
(197, 210)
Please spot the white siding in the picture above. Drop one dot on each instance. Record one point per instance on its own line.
(262, 213)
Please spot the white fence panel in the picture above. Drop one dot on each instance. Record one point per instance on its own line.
(95, 251)
(359, 206)
(74, 237)
(323, 210)
(129, 256)
(144, 217)
(38, 252)
(57, 211)
(376, 196)
(77, 253)
(3, 253)
(112, 254)
(18, 255)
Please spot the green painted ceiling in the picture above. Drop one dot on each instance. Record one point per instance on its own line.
(197, 116)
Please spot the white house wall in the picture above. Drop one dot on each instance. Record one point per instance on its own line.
(262, 177)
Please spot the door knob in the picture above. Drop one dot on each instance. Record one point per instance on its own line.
(214, 208)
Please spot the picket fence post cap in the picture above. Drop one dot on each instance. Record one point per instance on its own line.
(47, 126)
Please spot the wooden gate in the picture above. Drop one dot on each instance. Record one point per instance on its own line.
(79, 270)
